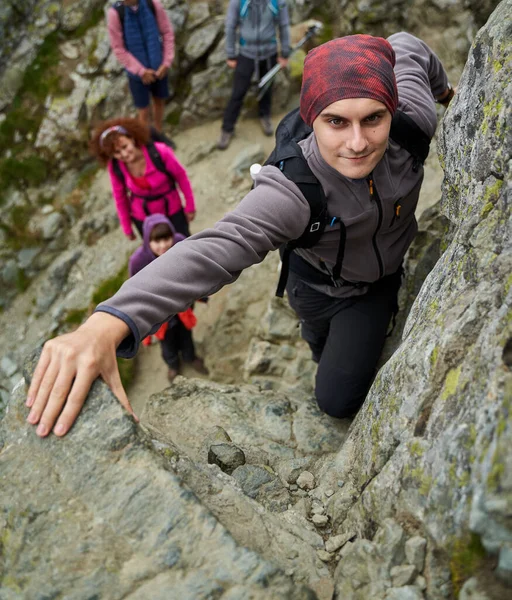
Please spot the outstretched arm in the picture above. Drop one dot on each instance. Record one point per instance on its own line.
(271, 214)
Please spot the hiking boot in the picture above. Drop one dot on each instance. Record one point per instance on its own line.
(224, 140)
(172, 374)
(266, 126)
(198, 365)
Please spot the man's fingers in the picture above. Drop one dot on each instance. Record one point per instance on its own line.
(113, 380)
(57, 399)
(37, 377)
(75, 401)
(43, 393)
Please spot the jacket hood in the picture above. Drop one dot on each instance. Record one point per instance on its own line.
(150, 223)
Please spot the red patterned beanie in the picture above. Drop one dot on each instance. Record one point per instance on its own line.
(355, 66)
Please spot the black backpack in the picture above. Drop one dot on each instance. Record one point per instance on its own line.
(156, 159)
(287, 156)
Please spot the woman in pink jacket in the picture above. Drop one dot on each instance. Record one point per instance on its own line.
(145, 176)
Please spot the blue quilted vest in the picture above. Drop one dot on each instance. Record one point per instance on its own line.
(142, 37)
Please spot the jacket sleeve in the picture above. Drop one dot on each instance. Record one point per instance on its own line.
(284, 30)
(177, 170)
(167, 33)
(419, 76)
(272, 213)
(121, 201)
(231, 26)
(129, 62)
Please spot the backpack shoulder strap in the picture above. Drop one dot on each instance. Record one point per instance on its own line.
(244, 8)
(274, 7)
(407, 134)
(119, 8)
(117, 171)
(151, 6)
(157, 160)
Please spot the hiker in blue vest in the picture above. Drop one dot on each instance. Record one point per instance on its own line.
(256, 22)
(142, 40)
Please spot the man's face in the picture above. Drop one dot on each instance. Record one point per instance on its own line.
(159, 247)
(352, 135)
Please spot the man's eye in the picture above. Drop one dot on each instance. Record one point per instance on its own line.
(335, 122)
(372, 119)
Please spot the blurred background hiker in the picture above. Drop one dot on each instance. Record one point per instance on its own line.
(145, 175)
(256, 22)
(142, 39)
(175, 335)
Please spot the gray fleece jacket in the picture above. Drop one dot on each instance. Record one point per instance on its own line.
(257, 28)
(275, 211)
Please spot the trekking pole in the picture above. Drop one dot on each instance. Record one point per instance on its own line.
(266, 80)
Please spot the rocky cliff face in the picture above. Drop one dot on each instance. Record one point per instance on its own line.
(229, 491)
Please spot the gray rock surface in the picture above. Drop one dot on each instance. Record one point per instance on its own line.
(108, 506)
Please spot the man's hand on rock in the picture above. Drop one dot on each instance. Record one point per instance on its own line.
(67, 368)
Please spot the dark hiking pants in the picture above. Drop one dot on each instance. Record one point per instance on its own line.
(241, 84)
(178, 339)
(346, 337)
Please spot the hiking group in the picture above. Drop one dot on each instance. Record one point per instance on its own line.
(337, 197)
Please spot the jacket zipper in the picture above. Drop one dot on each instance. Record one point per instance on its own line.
(396, 211)
(375, 196)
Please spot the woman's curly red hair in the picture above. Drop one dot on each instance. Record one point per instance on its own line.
(104, 151)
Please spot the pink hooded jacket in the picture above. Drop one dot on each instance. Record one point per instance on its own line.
(131, 206)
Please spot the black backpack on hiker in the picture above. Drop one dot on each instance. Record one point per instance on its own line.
(287, 157)
(156, 159)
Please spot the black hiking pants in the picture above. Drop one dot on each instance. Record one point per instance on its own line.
(178, 339)
(346, 337)
(241, 84)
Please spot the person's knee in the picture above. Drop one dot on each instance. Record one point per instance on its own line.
(341, 399)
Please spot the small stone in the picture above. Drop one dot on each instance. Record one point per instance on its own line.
(227, 456)
(293, 487)
(403, 575)
(415, 549)
(318, 510)
(329, 492)
(421, 582)
(306, 480)
(320, 520)
(341, 483)
(338, 541)
(289, 572)
(324, 556)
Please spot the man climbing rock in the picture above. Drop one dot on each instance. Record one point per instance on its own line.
(142, 40)
(256, 23)
(343, 287)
